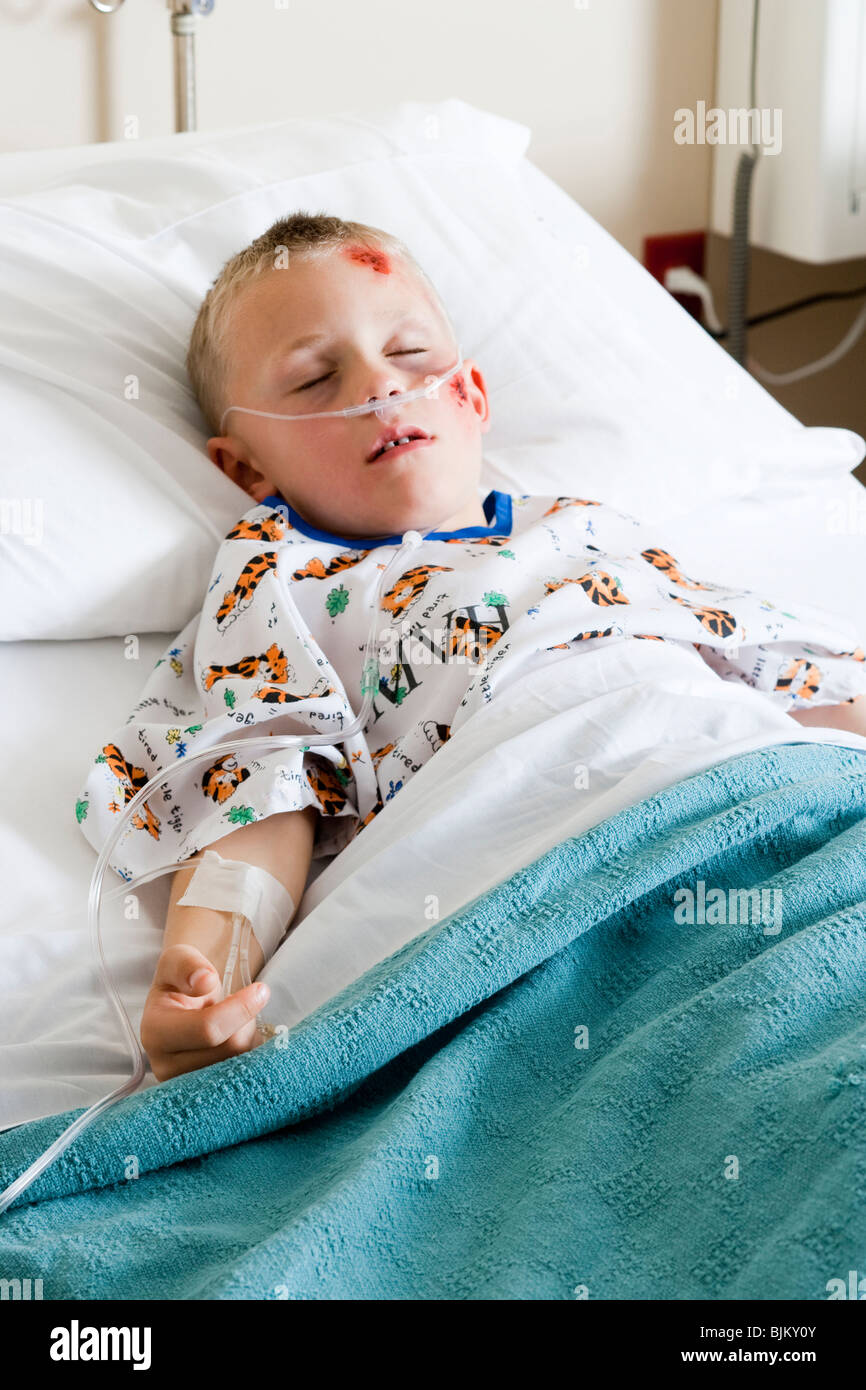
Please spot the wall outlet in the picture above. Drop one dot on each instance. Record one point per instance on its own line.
(660, 253)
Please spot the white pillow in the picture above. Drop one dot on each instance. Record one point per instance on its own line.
(601, 385)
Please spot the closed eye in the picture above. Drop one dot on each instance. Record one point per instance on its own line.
(307, 384)
(402, 352)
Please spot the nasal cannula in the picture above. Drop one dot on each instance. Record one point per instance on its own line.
(379, 406)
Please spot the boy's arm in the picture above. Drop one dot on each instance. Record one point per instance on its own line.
(849, 716)
(184, 1025)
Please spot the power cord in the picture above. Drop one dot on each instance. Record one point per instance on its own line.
(829, 360)
(682, 279)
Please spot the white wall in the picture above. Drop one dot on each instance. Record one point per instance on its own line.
(597, 81)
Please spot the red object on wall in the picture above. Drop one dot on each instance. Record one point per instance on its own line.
(679, 248)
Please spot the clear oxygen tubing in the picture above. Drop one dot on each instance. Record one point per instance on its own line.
(241, 926)
(379, 406)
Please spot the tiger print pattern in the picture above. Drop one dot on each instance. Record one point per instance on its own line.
(569, 502)
(664, 561)
(580, 637)
(381, 753)
(370, 816)
(327, 787)
(810, 682)
(605, 632)
(488, 606)
(222, 779)
(602, 588)
(409, 587)
(272, 665)
(472, 640)
(238, 599)
(131, 780)
(435, 733)
(715, 620)
(269, 528)
(317, 569)
(273, 695)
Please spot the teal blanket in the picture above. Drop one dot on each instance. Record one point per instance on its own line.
(618, 1075)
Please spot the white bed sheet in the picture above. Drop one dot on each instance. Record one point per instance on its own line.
(454, 836)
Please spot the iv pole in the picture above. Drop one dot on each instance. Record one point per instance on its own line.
(184, 14)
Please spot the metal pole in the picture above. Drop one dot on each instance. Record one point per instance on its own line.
(184, 14)
(183, 28)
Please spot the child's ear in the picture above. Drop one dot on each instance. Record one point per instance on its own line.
(237, 469)
(474, 379)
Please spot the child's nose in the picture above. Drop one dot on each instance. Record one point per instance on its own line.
(375, 377)
(395, 391)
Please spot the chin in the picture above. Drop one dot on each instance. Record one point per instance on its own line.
(425, 489)
(417, 499)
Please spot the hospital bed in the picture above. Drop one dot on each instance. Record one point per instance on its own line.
(601, 386)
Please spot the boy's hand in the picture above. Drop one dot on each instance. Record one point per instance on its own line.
(850, 717)
(185, 1024)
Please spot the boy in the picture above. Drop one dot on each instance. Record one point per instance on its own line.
(318, 315)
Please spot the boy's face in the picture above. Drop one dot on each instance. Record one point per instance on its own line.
(379, 333)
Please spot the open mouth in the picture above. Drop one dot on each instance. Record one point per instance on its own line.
(398, 441)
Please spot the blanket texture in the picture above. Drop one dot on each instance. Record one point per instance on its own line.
(611, 1077)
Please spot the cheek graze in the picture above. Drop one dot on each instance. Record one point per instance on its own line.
(363, 255)
(458, 389)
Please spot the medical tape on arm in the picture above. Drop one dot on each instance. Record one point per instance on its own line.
(231, 885)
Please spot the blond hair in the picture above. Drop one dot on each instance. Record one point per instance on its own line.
(302, 233)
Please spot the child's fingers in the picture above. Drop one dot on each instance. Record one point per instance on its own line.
(209, 1027)
(193, 1059)
(185, 970)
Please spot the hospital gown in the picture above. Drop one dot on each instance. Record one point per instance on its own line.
(278, 647)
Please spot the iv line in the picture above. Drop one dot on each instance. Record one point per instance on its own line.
(369, 686)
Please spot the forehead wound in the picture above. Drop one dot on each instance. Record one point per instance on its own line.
(366, 256)
(381, 264)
